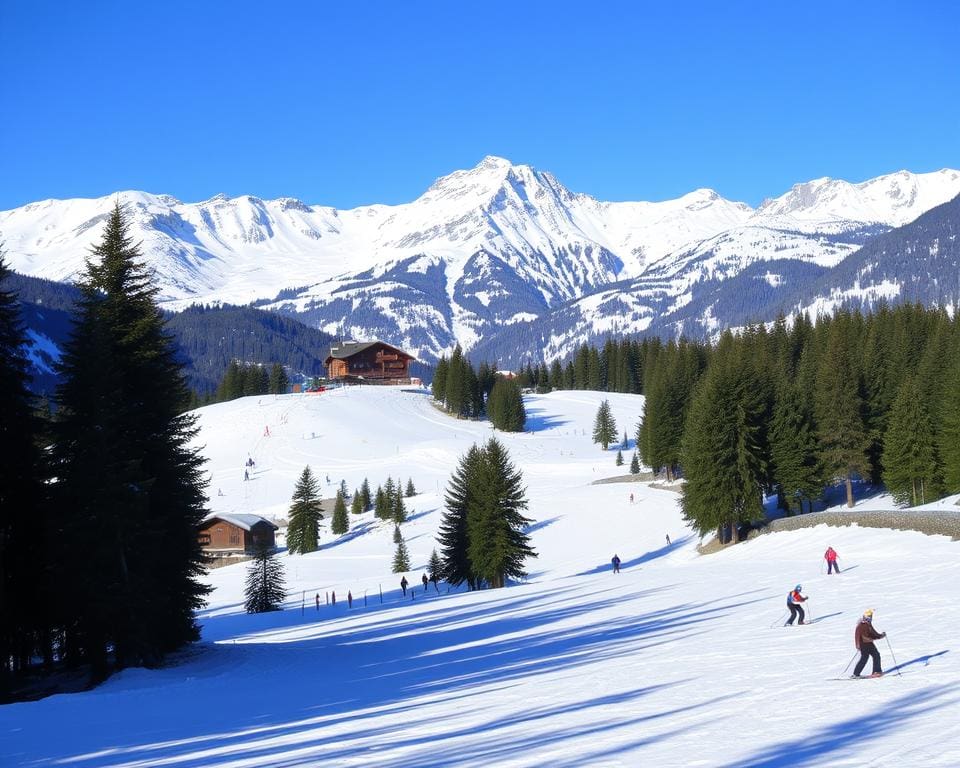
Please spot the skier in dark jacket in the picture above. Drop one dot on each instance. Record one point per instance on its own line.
(616, 563)
(863, 638)
(426, 580)
(403, 585)
(794, 598)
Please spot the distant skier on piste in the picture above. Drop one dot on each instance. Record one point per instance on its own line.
(615, 561)
(863, 638)
(794, 598)
(831, 557)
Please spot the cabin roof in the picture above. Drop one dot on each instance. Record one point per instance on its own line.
(241, 520)
(348, 349)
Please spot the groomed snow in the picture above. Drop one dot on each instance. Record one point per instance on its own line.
(678, 661)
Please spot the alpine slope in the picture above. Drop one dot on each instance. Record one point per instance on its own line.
(681, 659)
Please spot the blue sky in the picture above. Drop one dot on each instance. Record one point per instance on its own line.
(357, 103)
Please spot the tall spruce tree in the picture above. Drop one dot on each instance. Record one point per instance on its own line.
(411, 489)
(365, 495)
(794, 449)
(356, 503)
(401, 558)
(453, 536)
(129, 487)
(497, 543)
(264, 588)
(912, 470)
(339, 524)
(435, 567)
(950, 430)
(634, 464)
(604, 426)
(26, 594)
(306, 512)
(399, 507)
(505, 406)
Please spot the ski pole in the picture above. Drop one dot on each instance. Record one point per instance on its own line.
(780, 620)
(849, 663)
(892, 656)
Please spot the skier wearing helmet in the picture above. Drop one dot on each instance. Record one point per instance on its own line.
(794, 598)
(863, 637)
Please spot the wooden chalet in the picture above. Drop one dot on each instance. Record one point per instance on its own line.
(372, 362)
(233, 535)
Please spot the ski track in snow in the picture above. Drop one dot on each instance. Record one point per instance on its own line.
(677, 661)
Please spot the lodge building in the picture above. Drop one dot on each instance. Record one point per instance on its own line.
(373, 362)
(235, 534)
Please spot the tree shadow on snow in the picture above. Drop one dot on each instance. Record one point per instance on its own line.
(391, 667)
(644, 558)
(841, 741)
(537, 422)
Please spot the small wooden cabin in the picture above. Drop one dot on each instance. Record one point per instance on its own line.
(373, 361)
(227, 535)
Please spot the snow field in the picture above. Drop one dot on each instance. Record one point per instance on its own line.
(681, 660)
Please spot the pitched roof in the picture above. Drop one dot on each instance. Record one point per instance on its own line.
(241, 520)
(348, 349)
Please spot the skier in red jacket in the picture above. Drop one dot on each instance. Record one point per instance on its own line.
(863, 638)
(794, 598)
(831, 557)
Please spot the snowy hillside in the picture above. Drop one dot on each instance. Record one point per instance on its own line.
(680, 660)
(480, 250)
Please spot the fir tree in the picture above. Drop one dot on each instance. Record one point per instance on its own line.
(339, 525)
(356, 504)
(401, 558)
(264, 589)
(397, 536)
(794, 449)
(497, 544)
(439, 384)
(435, 567)
(634, 464)
(950, 430)
(619, 458)
(278, 380)
(381, 507)
(411, 490)
(306, 512)
(25, 592)
(452, 535)
(910, 459)
(604, 426)
(399, 508)
(129, 485)
(367, 499)
(505, 407)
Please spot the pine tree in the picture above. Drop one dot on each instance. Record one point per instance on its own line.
(264, 589)
(911, 462)
(25, 592)
(399, 508)
(278, 380)
(435, 567)
(452, 535)
(356, 504)
(439, 384)
(497, 544)
(306, 512)
(634, 465)
(129, 486)
(411, 490)
(381, 507)
(339, 525)
(619, 458)
(604, 426)
(794, 449)
(367, 499)
(397, 536)
(401, 558)
(950, 430)
(505, 407)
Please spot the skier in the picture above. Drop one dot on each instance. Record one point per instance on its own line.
(863, 638)
(631, 498)
(349, 599)
(616, 563)
(794, 599)
(668, 539)
(403, 585)
(426, 580)
(831, 557)
(246, 474)
(318, 601)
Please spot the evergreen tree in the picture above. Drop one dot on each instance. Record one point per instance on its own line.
(634, 465)
(452, 535)
(129, 492)
(278, 380)
(356, 504)
(339, 525)
(399, 508)
(25, 592)
(306, 512)
(367, 500)
(264, 590)
(435, 567)
(497, 544)
(397, 536)
(794, 449)
(505, 407)
(401, 558)
(619, 458)
(381, 506)
(950, 430)
(911, 462)
(411, 490)
(839, 410)
(604, 426)
(439, 384)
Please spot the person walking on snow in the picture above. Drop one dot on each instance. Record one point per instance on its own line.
(616, 563)
(426, 580)
(794, 598)
(403, 585)
(863, 638)
(831, 557)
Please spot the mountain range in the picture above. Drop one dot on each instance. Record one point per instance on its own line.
(507, 261)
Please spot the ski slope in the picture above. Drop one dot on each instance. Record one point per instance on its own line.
(680, 660)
